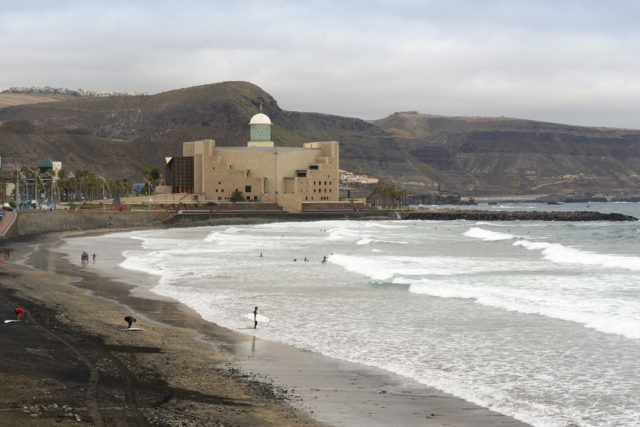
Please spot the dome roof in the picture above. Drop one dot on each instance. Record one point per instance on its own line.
(260, 119)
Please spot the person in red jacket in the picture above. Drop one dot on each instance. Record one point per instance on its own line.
(20, 313)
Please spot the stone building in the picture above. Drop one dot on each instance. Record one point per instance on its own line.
(287, 176)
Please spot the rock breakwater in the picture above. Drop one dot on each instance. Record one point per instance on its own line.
(477, 215)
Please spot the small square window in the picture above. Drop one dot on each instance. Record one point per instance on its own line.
(247, 189)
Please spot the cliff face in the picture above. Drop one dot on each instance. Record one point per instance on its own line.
(489, 156)
(118, 136)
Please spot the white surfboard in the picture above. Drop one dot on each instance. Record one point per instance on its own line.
(133, 329)
(11, 321)
(260, 318)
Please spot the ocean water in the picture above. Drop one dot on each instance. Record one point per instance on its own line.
(537, 320)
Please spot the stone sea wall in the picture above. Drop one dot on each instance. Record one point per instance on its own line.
(38, 222)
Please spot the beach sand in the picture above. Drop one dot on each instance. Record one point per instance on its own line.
(71, 362)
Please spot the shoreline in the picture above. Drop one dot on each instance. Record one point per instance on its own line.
(328, 390)
(29, 224)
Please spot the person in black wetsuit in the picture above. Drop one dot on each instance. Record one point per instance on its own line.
(129, 320)
(255, 318)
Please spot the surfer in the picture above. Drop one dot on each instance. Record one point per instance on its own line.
(255, 317)
(20, 313)
(129, 320)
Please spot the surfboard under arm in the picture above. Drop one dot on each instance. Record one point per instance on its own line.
(260, 318)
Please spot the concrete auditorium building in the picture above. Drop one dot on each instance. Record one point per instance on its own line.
(287, 176)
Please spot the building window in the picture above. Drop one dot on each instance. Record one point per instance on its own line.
(247, 189)
(219, 182)
(219, 198)
(248, 198)
(306, 198)
(313, 167)
(325, 190)
(255, 197)
(314, 183)
(222, 191)
(216, 190)
(325, 183)
(314, 190)
(302, 174)
(329, 190)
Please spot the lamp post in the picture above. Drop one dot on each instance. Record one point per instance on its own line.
(103, 198)
(149, 191)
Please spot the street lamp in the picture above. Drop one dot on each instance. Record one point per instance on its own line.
(103, 198)
(149, 190)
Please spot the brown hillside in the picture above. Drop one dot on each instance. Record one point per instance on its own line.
(10, 99)
(117, 136)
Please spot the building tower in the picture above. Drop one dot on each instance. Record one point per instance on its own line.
(260, 126)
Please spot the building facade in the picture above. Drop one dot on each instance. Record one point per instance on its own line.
(286, 176)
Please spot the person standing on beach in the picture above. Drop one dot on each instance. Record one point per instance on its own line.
(94, 258)
(255, 318)
(20, 313)
(129, 320)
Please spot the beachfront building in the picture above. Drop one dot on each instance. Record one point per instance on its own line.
(287, 176)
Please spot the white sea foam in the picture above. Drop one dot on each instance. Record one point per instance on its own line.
(487, 235)
(364, 241)
(561, 254)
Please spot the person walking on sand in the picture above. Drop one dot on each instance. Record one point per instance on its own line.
(94, 258)
(129, 320)
(20, 313)
(255, 318)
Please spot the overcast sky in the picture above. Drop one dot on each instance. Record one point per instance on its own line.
(562, 61)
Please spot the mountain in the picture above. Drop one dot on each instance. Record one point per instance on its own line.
(118, 136)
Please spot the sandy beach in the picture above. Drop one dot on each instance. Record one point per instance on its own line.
(70, 361)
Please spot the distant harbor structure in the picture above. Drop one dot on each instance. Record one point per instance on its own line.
(294, 178)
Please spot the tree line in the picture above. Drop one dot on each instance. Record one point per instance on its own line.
(81, 185)
(387, 196)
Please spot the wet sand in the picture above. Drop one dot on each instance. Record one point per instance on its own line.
(183, 366)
